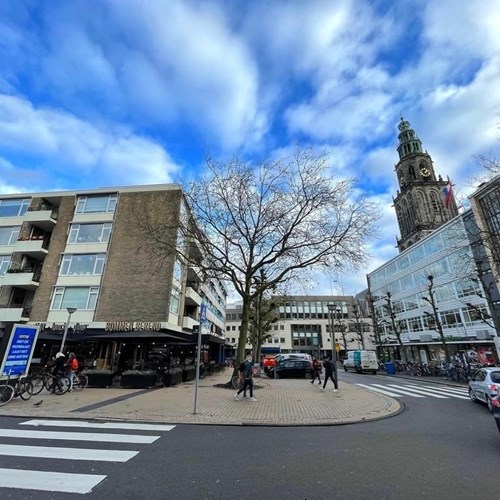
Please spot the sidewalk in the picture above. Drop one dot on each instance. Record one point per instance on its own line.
(288, 402)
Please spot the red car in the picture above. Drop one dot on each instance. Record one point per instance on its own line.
(268, 362)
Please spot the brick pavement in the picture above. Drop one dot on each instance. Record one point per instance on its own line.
(279, 403)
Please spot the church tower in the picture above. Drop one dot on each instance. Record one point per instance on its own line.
(423, 202)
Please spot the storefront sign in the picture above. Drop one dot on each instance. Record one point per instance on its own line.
(133, 326)
(77, 327)
(19, 351)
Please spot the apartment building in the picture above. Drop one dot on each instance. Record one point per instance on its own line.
(81, 259)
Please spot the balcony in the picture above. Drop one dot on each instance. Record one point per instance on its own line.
(35, 248)
(14, 313)
(194, 273)
(22, 278)
(44, 219)
(189, 323)
(192, 297)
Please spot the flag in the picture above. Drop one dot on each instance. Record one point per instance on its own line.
(448, 193)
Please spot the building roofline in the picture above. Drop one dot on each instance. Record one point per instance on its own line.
(119, 189)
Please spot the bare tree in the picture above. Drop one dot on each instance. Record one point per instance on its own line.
(394, 324)
(433, 319)
(282, 216)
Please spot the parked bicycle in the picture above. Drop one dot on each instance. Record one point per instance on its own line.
(20, 388)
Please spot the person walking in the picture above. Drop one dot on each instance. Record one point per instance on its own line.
(329, 369)
(71, 368)
(247, 379)
(316, 370)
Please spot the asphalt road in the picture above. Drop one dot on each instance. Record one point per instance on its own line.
(438, 448)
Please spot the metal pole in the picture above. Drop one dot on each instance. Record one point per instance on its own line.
(70, 310)
(334, 360)
(198, 358)
(197, 379)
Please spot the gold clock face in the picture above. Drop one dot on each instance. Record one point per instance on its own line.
(425, 172)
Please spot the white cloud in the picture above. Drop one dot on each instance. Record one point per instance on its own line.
(61, 144)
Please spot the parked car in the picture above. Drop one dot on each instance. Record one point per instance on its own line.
(293, 355)
(485, 385)
(292, 368)
(495, 403)
(361, 361)
(268, 362)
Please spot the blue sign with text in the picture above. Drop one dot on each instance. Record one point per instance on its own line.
(19, 350)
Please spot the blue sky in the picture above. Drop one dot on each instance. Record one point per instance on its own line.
(120, 92)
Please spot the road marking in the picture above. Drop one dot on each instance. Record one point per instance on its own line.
(455, 390)
(400, 389)
(49, 481)
(387, 393)
(425, 392)
(67, 453)
(447, 392)
(99, 425)
(79, 436)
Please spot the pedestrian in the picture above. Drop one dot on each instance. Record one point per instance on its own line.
(71, 368)
(246, 374)
(316, 370)
(329, 368)
(57, 369)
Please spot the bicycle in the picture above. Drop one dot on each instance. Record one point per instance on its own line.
(80, 381)
(21, 388)
(57, 384)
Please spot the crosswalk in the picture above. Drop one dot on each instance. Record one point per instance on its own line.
(16, 477)
(418, 390)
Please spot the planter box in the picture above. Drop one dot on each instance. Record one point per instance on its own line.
(100, 379)
(138, 381)
(188, 374)
(173, 377)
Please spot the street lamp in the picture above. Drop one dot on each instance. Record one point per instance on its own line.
(70, 310)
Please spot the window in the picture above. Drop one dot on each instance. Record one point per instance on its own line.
(80, 297)
(282, 340)
(450, 319)
(4, 264)
(8, 235)
(96, 204)
(83, 264)
(175, 300)
(89, 233)
(13, 208)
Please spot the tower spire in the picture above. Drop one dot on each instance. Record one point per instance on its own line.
(409, 143)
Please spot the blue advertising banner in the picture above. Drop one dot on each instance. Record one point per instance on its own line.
(17, 357)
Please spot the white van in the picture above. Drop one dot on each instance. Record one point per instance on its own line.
(361, 361)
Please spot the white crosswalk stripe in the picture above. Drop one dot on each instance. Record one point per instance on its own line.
(69, 482)
(418, 391)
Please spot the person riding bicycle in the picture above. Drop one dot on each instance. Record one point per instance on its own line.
(71, 368)
(59, 366)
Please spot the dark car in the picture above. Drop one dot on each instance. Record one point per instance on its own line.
(291, 368)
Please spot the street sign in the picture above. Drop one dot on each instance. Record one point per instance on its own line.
(337, 346)
(17, 357)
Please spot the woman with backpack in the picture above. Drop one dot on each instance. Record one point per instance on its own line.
(316, 370)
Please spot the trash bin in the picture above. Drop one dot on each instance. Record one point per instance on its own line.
(390, 368)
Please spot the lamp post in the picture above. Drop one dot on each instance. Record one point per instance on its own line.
(331, 309)
(70, 310)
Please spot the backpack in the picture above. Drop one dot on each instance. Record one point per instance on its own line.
(74, 364)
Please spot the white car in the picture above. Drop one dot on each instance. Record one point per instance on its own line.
(485, 385)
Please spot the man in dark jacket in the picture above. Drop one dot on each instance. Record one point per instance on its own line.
(247, 376)
(329, 369)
